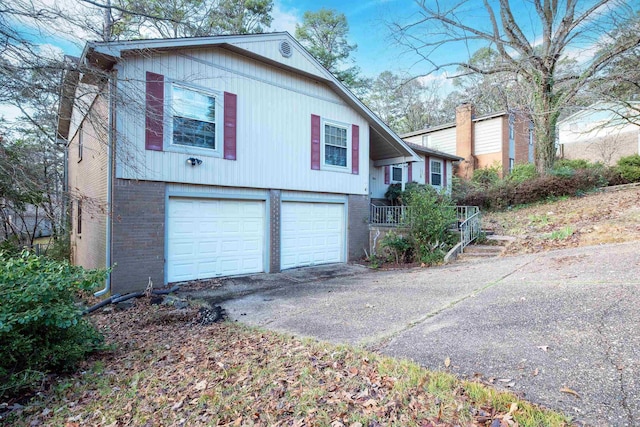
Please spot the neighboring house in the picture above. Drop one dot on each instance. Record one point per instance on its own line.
(217, 156)
(434, 168)
(603, 132)
(503, 139)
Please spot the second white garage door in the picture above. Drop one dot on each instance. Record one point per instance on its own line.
(211, 238)
(311, 234)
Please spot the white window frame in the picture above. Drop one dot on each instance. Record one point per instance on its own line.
(325, 165)
(169, 113)
(393, 181)
(431, 172)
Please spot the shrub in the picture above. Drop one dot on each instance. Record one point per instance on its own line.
(486, 176)
(431, 216)
(629, 168)
(574, 164)
(41, 328)
(523, 172)
(398, 247)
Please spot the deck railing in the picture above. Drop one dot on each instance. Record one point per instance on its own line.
(468, 220)
(391, 216)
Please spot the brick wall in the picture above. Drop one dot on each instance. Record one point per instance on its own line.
(464, 140)
(358, 227)
(274, 233)
(137, 235)
(87, 185)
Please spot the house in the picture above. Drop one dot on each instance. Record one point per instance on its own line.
(503, 139)
(197, 158)
(434, 168)
(603, 132)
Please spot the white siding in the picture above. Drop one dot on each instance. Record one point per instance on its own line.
(443, 140)
(488, 136)
(273, 125)
(376, 182)
(596, 124)
(271, 49)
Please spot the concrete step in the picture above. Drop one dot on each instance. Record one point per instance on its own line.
(502, 240)
(483, 249)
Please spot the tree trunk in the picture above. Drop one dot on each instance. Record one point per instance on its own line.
(545, 118)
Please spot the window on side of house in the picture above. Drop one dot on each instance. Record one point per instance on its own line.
(512, 130)
(511, 164)
(193, 117)
(396, 173)
(530, 133)
(80, 142)
(335, 144)
(436, 173)
(79, 218)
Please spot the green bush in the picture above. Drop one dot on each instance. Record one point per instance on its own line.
(431, 216)
(629, 168)
(523, 172)
(486, 176)
(398, 247)
(574, 164)
(41, 328)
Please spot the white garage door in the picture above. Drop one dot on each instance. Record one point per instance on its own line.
(312, 233)
(210, 238)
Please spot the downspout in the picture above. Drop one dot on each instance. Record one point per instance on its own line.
(110, 162)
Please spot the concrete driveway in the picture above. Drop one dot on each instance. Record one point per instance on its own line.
(562, 328)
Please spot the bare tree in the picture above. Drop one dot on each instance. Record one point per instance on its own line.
(531, 41)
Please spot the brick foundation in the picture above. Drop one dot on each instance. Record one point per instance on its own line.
(137, 235)
(358, 227)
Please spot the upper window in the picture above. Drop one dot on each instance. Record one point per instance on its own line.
(194, 117)
(79, 218)
(511, 127)
(335, 145)
(396, 173)
(530, 133)
(436, 172)
(80, 142)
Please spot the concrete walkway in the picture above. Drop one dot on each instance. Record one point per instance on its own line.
(536, 324)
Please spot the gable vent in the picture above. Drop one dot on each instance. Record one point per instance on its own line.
(285, 49)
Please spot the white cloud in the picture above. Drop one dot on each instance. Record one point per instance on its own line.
(285, 20)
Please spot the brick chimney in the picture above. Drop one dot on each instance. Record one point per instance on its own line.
(464, 139)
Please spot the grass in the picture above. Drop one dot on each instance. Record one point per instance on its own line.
(561, 234)
(178, 373)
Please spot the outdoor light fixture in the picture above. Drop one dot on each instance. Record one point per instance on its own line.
(193, 161)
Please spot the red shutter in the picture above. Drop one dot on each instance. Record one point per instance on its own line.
(444, 173)
(355, 150)
(410, 172)
(315, 142)
(154, 133)
(387, 173)
(427, 174)
(230, 122)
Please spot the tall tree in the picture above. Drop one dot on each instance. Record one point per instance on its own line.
(189, 18)
(324, 33)
(532, 39)
(403, 103)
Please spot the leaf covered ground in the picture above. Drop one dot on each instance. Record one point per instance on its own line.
(612, 216)
(166, 369)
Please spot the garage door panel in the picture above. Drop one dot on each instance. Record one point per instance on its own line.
(211, 238)
(311, 233)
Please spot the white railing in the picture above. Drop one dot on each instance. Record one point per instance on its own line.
(389, 215)
(470, 228)
(468, 220)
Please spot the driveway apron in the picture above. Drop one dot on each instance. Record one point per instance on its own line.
(560, 328)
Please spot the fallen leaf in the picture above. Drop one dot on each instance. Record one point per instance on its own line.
(356, 424)
(513, 408)
(177, 405)
(201, 385)
(535, 372)
(505, 380)
(543, 347)
(447, 362)
(569, 391)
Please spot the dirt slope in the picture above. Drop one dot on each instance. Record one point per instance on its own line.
(610, 216)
